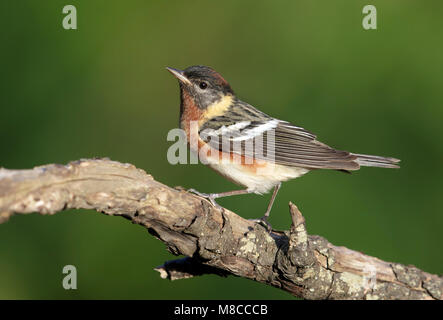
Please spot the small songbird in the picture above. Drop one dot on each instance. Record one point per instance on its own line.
(224, 126)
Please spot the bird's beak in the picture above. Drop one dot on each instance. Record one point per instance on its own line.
(179, 74)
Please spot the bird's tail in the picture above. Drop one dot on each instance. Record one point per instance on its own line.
(376, 161)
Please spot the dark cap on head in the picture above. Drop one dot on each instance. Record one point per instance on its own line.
(210, 75)
(204, 85)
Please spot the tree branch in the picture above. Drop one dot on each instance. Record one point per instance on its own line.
(213, 240)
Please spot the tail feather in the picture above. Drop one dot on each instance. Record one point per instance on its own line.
(376, 161)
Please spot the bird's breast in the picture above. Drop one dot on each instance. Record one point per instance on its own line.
(190, 115)
(256, 175)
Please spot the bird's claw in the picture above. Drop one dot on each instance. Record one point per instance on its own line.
(200, 194)
(263, 221)
(208, 196)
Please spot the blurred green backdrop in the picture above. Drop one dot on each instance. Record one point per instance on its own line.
(103, 91)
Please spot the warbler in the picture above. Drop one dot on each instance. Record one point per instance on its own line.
(224, 126)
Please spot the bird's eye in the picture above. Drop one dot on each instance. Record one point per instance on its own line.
(203, 85)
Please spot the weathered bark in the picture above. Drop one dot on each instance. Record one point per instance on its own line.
(214, 240)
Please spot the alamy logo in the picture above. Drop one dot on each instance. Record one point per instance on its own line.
(70, 20)
(370, 19)
(70, 280)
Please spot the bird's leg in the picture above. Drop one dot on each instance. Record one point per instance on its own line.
(271, 202)
(212, 196)
(264, 220)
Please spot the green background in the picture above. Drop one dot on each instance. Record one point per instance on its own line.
(103, 91)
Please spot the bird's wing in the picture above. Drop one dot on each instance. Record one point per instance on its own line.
(244, 130)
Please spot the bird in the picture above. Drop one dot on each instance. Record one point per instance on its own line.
(249, 147)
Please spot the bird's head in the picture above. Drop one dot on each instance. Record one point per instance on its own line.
(202, 84)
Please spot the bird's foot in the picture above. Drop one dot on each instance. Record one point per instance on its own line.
(208, 196)
(263, 221)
